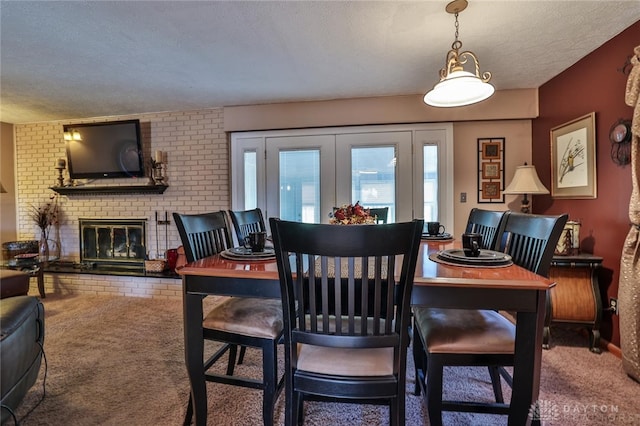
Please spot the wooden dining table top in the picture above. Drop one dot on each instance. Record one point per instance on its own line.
(428, 271)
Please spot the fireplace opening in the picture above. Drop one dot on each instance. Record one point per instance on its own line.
(113, 242)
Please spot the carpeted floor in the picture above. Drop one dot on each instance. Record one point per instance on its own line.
(119, 361)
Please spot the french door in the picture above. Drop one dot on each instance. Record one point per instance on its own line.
(301, 175)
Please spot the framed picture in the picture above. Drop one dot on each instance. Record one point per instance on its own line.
(491, 190)
(573, 159)
(491, 150)
(490, 170)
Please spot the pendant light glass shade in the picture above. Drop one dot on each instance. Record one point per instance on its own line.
(458, 87)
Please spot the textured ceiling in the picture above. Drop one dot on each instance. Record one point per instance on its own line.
(63, 60)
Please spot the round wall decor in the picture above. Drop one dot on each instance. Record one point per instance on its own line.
(620, 137)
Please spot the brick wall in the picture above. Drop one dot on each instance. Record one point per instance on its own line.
(197, 171)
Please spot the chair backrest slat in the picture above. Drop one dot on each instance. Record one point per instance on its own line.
(531, 239)
(203, 234)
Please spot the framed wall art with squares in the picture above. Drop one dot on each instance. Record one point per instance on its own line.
(491, 170)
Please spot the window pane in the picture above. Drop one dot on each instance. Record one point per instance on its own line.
(373, 178)
(300, 186)
(430, 182)
(250, 181)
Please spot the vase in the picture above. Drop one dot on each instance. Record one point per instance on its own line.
(172, 259)
(43, 248)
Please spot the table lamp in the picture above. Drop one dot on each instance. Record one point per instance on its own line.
(525, 181)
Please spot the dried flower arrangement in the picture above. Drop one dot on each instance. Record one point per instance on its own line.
(352, 214)
(46, 215)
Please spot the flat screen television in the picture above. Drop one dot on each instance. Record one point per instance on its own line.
(104, 150)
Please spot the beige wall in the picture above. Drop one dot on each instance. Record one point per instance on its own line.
(503, 105)
(517, 134)
(8, 229)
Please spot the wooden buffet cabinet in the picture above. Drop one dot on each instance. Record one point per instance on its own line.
(575, 299)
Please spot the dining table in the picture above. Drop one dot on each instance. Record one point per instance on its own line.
(436, 284)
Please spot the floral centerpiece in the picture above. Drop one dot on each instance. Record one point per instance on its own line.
(352, 214)
(45, 216)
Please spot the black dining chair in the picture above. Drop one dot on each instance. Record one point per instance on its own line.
(381, 214)
(346, 315)
(458, 337)
(246, 221)
(488, 223)
(236, 321)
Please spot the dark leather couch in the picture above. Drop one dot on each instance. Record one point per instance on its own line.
(21, 339)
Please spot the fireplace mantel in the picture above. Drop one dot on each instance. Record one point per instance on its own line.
(113, 190)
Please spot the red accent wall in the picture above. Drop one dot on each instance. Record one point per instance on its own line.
(594, 84)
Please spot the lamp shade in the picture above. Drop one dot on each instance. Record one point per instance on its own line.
(459, 88)
(525, 181)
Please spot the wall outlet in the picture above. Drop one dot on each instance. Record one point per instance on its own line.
(463, 197)
(613, 305)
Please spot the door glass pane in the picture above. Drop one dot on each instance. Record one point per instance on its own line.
(250, 181)
(300, 185)
(373, 178)
(430, 172)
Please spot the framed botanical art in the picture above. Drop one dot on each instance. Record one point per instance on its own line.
(490, 170)
(573, 159)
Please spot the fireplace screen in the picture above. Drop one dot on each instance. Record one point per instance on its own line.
(113, 241)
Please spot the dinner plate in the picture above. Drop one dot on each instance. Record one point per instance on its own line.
(439, 237)
(242, 253)
(486, 257)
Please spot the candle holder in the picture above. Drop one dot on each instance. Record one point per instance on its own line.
(156, 167)
(60, 166)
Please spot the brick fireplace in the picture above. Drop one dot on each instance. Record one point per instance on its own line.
(113, 242)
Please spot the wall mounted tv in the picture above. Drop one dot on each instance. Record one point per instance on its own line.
(104, 150)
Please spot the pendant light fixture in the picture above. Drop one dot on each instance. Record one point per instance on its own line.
(458, 87)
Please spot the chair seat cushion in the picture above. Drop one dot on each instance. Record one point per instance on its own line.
(465, 331)
(247, 316)
(345, 361)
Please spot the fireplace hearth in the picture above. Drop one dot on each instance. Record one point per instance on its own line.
(113, 242)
